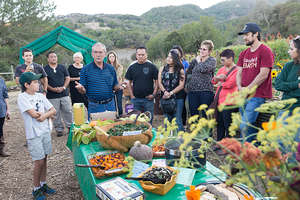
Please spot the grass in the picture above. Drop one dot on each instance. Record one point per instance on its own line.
(10, 83)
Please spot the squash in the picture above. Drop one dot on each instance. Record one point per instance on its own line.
(141, 151)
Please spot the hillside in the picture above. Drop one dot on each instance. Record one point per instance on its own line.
(231, 9)
(122, 31)
(173, 17)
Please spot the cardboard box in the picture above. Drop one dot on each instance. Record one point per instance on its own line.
(118, 189)
(104, 115)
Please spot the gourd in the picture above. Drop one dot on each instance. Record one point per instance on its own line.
(141, 151)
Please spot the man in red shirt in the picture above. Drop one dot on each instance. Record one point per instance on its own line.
(254, 69)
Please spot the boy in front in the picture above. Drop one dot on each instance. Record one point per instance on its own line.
(36, 110)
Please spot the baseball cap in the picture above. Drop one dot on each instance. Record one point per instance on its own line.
(250, 27)
(27, 77)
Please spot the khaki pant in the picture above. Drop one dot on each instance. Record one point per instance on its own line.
(63, 109)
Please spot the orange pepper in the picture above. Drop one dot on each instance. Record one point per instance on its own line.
(265, 126)
(93, 123)
(193, 194)
(248, 197)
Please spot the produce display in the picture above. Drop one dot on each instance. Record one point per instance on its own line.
(159, 175)
(109, 161)
(158, 180)
(158, 150)
(118, 130)
(86, 132)
(141, 118)
(141, 151)
(108, 164)
(222, 191)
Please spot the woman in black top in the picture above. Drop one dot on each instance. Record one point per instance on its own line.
(74, 71)
(171, 83)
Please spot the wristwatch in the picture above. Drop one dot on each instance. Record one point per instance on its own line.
(64, 88)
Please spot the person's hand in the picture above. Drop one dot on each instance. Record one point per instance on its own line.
(41, 118)
(59, 89)
(29, 68)
(198, 58)
(78, 86)
(150, 97)
(7, 115)
(240, 87)
(298, 85)
(132, 97)
(221, 77)
(167, 95)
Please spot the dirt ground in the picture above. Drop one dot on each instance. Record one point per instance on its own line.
(16, 170)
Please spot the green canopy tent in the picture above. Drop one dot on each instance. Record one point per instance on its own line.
(64, 37)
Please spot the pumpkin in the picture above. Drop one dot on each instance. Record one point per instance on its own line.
(141, 151)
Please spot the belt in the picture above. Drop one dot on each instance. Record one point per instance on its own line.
(101, 102)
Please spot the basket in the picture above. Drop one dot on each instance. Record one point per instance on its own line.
(100, 173)
(160, 189)
(123, 143)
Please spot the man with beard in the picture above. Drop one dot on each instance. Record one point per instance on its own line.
(254, 69)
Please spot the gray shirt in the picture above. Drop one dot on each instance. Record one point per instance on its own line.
(200, 74)
(37, 68)
(3, 96)
(38, 102)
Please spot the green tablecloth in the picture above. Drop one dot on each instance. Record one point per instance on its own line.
(87, 181)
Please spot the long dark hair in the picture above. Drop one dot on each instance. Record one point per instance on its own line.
(296, 42)
(177, 62)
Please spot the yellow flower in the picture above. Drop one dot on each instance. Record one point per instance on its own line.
(210, 112)
(202, 107)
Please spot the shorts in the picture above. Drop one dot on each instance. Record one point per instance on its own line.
(39, 147)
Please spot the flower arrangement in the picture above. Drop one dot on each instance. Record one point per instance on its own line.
(270, 164)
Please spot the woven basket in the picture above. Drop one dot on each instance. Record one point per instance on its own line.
(123, 143)
(160, 189)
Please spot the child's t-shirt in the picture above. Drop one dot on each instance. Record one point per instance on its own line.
(38, 102)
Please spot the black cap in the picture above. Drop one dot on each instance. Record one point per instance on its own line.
(250, 27)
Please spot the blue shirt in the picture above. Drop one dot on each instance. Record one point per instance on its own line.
(185, 65)
(98, 83)
(3, 95)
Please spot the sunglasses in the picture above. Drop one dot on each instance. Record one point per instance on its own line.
(202, 49)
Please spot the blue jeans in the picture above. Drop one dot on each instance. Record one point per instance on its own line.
(249, 115)
(96, 107)
(178, 114)
(198, 98)
(143, 105)
(119, 96)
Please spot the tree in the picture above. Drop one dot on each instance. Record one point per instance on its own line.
(174, 38)
(21, 21)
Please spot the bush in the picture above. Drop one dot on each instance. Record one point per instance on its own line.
(279, 47)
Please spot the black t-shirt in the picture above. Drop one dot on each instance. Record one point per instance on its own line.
(142, 76)
(56, 78)
(37, 68)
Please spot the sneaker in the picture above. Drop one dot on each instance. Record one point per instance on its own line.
(46, 189)
(38, 195)
(59, 134)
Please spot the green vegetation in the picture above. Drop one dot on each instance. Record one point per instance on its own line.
(159, 28)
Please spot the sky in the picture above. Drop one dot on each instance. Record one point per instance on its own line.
(134, 7)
